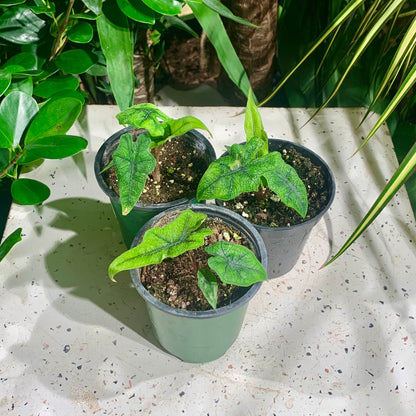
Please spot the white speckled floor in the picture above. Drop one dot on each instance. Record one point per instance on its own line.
(337, 341)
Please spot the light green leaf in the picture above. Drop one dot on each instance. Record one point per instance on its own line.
(50, 86)
(6, 134)
(398, 179)
(18, 109)
(94, 5)
(25, 85)
(166, 7)
(21, 62)
(9, 242)
(137, 10)
(207, 282)
(20, 25)
(144, 116)
(29, 192)
(212, 24)
(54, 118)
(75, 61)
(180, 235)
(5, 80)
(176, 21)
(218, 7)
(235, 264)
(52, 147)
(116, 44)
(133, 162)
(82, 32)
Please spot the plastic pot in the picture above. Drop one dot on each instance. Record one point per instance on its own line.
(140, 214)
(285, 244)
(200, 336)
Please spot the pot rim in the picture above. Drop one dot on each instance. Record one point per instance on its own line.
(232, 219)
(331, 185)
(113, 195)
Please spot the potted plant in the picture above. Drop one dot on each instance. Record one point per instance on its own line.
(152, 165)
(196, 266)
(281, 187)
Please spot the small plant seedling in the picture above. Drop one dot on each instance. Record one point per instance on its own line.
(232, 263)
(250, 167)
(133, 160)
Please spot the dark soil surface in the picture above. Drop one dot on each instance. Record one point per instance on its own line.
(181, 169)
(175, 282)
(270, 211)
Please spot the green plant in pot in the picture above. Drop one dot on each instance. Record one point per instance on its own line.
(281, 187)
(196, 266)
(153, 164)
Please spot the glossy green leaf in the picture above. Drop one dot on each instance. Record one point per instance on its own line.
(94, 5)
(235, 264)
(5, 80)
(18, 109)
(29, 192)
(50, 86)
(399, 178)
(133, 162)
(82, 32)
(75, 61)
(117, 47)
(6, 134)
(144, 116)
(4, 159)
(20, 25)
(137, 10)
(24, 85)
(253, 124)
(212, 24)
(218, 7)
(20, 62)
(178, 236)
(54, 118)
(166, 7)
(52, 147)
(176, 21)
(9, 242)
(207, 282)
(48, 9)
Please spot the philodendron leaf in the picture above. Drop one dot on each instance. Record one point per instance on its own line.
(5, 80)
(52, 147)
(144, 116)
(137, 10)
(286, 184)
(6, 134)
(235, 264)
(253, 125)
(50, 86)
(207, 282)
(133, 162)
(177, 237)
(29, 192)
(75, 61)
(18, 109)
(9, 242)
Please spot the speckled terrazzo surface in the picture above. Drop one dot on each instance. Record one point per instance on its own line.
(336, 341)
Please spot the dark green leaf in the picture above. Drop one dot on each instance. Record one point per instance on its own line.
(29, 192)
(54, 118)
(177, 22)
(18, 109)
(25, 85)
(50, 9)
(52, 147)
(4, 157)
(5, 80)
(9, 242)
(177, 237)
(235, 264)
(137, 10)
(21, 62)
(133, 162)
(169, 7)
(20, 25)
(82, 32)
(50, 86)
(207, 282)
(117, 47)
(94, 5)
(6, 134)
(144, 116)
(11, 2)
(75, 61)
(218, 7)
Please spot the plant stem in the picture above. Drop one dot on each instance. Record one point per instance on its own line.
(58, 44)
(11, 163)
(156, 171)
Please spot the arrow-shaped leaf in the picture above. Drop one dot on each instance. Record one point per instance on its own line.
(9, 242)
(175, 238)
(207, 282)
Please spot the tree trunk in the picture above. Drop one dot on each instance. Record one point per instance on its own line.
(256, 47)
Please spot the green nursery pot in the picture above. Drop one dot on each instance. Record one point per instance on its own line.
(140, 214)
(200, 336)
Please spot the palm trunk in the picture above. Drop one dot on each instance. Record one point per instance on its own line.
(256, 47)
